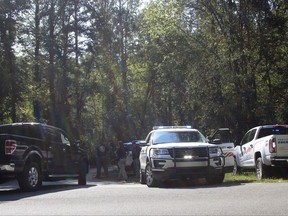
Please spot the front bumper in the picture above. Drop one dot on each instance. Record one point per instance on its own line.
(169, 169)
(184, 173)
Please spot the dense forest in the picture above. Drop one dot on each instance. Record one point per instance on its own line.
(111, 69)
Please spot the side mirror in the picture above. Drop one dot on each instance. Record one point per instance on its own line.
(142, 143)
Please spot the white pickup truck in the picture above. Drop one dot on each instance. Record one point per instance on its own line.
(263, 148)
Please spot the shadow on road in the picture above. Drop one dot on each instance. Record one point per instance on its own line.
(16, 193)
(9, 191)
(199, 183)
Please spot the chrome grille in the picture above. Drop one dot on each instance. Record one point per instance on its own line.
(181, 152)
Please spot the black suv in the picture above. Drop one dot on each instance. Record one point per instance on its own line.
(34, 152)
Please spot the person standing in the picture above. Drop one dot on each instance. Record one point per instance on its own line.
(121, 158)
(135, 156)
(102, 160)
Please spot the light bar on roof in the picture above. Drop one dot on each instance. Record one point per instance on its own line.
(171, 127)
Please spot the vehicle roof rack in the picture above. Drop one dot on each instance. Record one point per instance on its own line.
(172, 127)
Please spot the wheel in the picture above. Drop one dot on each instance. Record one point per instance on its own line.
(31, 178)
(150, 181)
(236, 169)
(262, 171)
(82, 174)
(217, 178)
(142, 177)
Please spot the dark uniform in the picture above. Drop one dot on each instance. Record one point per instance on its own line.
(102, 160)
(135, 155)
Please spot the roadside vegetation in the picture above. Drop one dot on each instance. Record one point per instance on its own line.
(230, 178)
(109, 70)
(250, 177)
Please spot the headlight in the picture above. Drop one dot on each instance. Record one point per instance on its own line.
(215, 151)
(158, 152)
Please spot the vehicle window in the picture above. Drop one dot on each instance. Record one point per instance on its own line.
(164, 137)
(53, 135)
(178, 136)
(148, 139)
(193, 136)
(252, 134)
(31, 131)
(224, 136)
(22, 130)
(245, 138)
(275, 130)
(248, 137)
(64, 139)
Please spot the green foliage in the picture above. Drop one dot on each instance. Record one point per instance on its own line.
(104, 70)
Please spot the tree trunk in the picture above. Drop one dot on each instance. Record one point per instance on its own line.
(37, 73)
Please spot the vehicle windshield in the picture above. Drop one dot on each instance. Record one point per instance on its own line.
(177, 136)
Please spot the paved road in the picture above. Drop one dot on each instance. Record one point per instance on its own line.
(101, 197)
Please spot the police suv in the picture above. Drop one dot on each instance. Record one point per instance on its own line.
(179, 152)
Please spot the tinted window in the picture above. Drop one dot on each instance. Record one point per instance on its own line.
(249, 136)
(245, 138)
(22, 130)
(272, 131)
(223, 135)
(252, 135)
(53, 135)
(148, 139)
(5, 129)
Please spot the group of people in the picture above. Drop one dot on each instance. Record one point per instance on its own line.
(103, 159)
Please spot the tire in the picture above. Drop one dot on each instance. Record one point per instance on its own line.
(236, 169)
(142, 177)
(217, 178)
(31, 177)
(150, 181)
(262, 171)
(82, 174)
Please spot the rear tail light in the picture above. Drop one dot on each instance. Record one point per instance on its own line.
(272, 145)
(10, 146)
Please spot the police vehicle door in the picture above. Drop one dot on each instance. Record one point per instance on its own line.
(223, 138)
(246, 156)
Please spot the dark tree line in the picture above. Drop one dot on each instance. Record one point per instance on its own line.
(106, 70)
